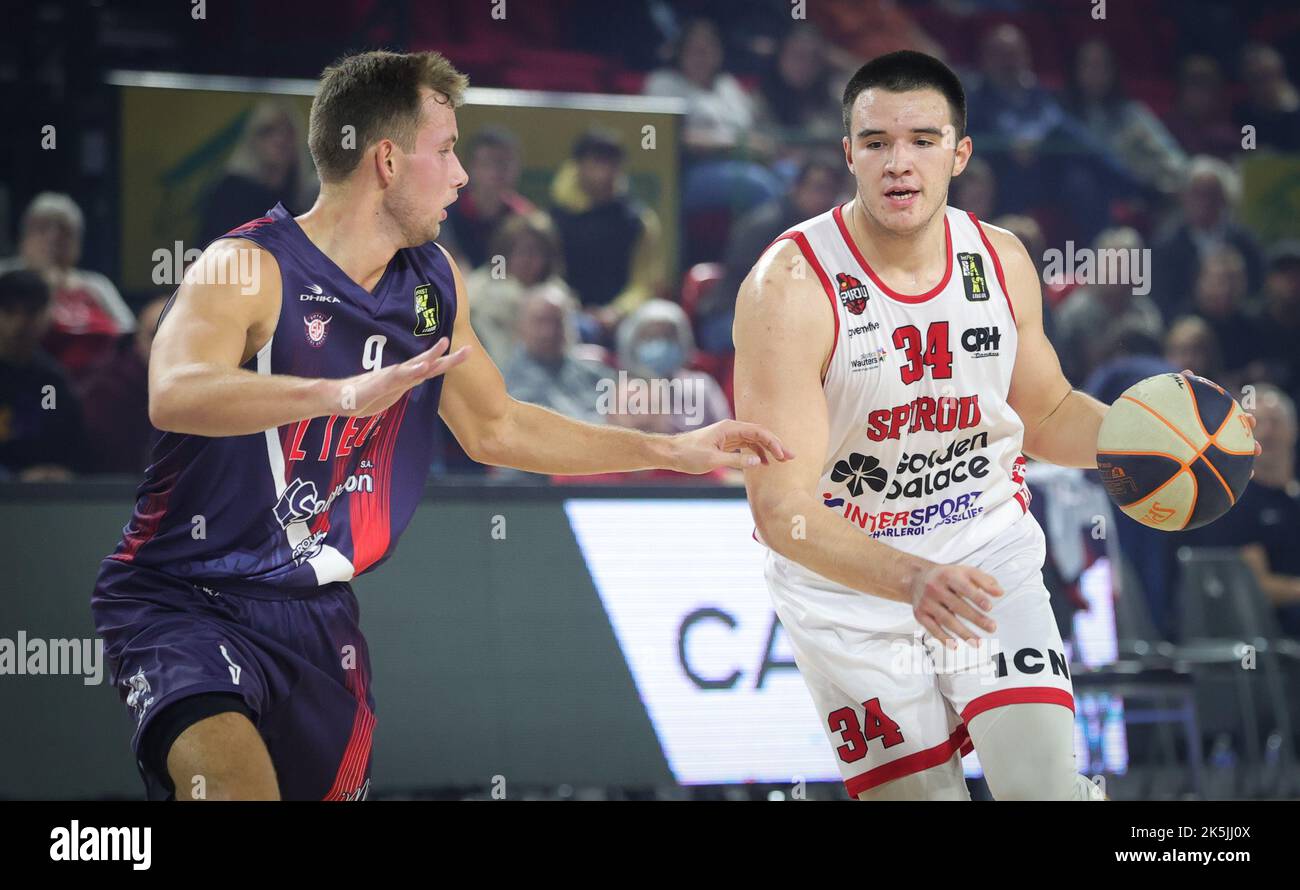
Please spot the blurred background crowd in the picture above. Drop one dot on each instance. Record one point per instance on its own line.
(1136, 131)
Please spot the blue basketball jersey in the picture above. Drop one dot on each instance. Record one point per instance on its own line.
(323, 499)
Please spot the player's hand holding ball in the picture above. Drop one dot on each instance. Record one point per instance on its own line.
(1176, 451)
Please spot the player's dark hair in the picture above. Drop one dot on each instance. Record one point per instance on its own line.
(901, 72)
(378, 95)
(23, 290)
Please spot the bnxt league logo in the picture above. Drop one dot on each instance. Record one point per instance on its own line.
(852, 294)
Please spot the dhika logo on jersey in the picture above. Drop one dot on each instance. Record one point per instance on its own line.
(316, 295)
(426, 310)
(317, 328)
(981, 342)
(852, 293)
(936, 415)
(972, 276)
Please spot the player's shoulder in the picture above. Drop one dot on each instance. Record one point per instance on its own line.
(782, 276)
(234, 261)
(1005, 244)
(790, 260)
(233, 278)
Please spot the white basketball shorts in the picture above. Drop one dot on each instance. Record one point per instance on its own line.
(894, 702)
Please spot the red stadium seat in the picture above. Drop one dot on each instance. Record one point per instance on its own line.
(696, 284)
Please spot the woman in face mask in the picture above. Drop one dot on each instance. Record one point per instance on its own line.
(658, 392)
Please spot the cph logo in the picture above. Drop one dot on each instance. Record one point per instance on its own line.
(317, 328)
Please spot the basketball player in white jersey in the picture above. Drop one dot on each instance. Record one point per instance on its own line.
(895, 344)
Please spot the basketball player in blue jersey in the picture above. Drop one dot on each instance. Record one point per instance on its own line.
(913, 378)
(298, 420)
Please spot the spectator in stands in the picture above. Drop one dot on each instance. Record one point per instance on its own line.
(41, 433)
(1092, 311)
(115, 400)
(86, 312)
(269, 165)
(1191, 343)
(797, 90)
(545, 370)
(1201, 121)
(612, 245)
(525, 252)
(976, 189)
(1209, 198)
(490, 199)
(1126, 126)
(864, 29)
(720, 181)
(1263, 522)
(654, 346)
(1220, 298)
(1272, 104)
(821, 181)
(1279, 328)
(1040, 154)
(720, 115)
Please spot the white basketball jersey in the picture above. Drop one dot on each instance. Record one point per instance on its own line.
(924, 452)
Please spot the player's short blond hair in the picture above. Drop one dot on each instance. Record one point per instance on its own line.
(377, 94)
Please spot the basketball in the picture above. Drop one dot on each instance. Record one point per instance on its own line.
(1175, 451)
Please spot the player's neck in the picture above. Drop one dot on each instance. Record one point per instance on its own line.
(356, 237)
(908, 262)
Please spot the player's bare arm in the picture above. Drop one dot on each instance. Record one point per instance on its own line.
(498, 430)
(1061, 423)
(197, 384)
(784, 334)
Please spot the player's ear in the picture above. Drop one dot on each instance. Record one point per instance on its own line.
(961, 155)
(385, 164)
(848, 152)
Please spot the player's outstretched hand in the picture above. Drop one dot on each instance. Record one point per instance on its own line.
(373, 391)
(728, 443)
(943, 593)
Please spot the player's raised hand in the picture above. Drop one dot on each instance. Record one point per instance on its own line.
(373, 391)
(728, 443)
(944, 594)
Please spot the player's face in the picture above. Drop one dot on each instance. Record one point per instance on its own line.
(429, 177)
(903, 152)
